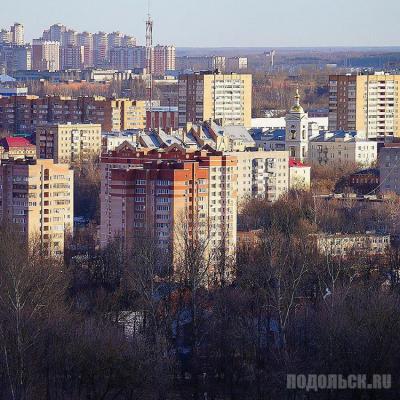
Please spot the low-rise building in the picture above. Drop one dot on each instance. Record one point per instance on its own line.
(342, 245)
(299, 175)
(16, 148)
(37, 197)
(335, 148)
(68, 143)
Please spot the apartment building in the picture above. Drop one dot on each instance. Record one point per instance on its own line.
(37, 197)
(219, 63)
(100, 49)
(342, 245)
(261, 174)
(72, 57)
(236, 64)
(156, 193)
(17, 34)
(133, 113)
(45, 55)
(335, 148)
(206, 96)
(14, 58)
(21, 114)
(68, 143)
(128, 57)
(163, 59)
(165, 118)
(389, 168)
(365, 102)
(14, 148)
(85, 39)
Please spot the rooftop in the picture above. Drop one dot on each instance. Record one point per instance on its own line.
(9, 142)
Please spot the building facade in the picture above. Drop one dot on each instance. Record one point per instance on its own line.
(163, 59)
(261, 174)
(389, 168)
(68, 143)
(365, 102)
(165, 118)
(21, 114)
(72, 57)
(13, 148)
(209, 96)
(37, 197)
(343, 245)
(45, 55)
(155, 194)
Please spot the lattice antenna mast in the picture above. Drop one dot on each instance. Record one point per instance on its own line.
(149, 61)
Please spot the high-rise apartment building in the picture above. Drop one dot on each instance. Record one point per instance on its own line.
(72, 57)
(68, 143)
(5, 36)
(365, 102)
(163, 59)
(69, 38)
(15, 58)
(128, 58)
(85, 39)
(156, 194)
(55, 33)
(225, 98)
(37, 197)
(45, 55)
(236, 64)
(17, 34)
(219, 63)
(115, 39)
(100, 49)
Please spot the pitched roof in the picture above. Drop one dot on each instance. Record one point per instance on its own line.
(9, 142)
(6, 78)
(294, 163)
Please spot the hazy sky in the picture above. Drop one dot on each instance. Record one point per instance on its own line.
(218, 23)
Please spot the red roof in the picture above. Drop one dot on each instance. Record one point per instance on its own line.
(295, 163)
(10, 142)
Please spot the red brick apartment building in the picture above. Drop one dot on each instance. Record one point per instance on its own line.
(21, 114)
(155, 193)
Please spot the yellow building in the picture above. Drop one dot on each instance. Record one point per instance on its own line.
(224, 98)
(68, 143)
(37, 197)
(133, 114)
(365, 102)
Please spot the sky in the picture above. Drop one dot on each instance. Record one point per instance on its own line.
(220, 23)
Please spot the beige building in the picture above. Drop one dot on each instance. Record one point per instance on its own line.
(37, 197)
(68, 143)
(133, 113)
(365, 102)
(16, 148)
(45, 55)
(299, 175)
(352, 244)
(262, 174)
(341, 148)
(225, 98)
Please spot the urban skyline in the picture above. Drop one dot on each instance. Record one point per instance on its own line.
(254, 24)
